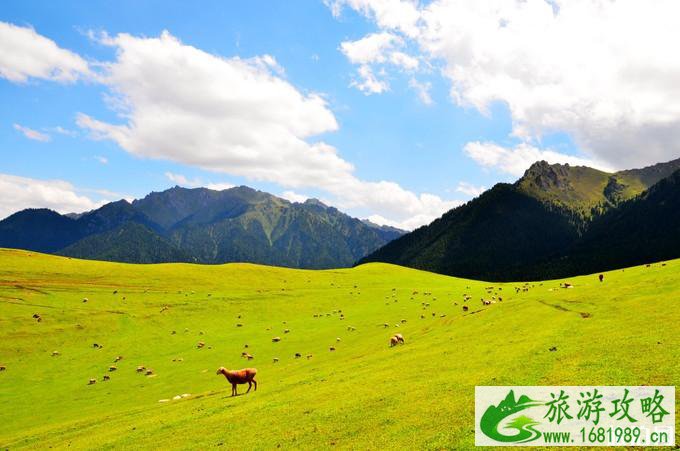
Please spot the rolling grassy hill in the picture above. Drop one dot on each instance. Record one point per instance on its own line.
(363, 395)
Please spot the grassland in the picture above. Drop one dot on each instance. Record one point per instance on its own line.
(363, 395)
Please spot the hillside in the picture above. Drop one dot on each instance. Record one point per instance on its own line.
(202, 225)
(540, 227)
(363, 395)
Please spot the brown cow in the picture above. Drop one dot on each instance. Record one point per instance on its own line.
(244, 376)
(394, 341)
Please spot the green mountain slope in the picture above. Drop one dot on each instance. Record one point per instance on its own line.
(129, 243)
(527, 230)
(363, 395)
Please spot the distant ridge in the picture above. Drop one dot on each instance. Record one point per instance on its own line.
(200, 225)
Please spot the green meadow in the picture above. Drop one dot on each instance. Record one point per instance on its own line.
(362, 395)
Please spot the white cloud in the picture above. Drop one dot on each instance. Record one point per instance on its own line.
(62, 131)
(182, 180)
(239, 117)
(32, 134)
(422, 90)
(517, 159)
(294, 197)
(219, 186)
(26, 54)
(102, 160)
(470, 189)
(603, 72)
(22, 192)
(404, 61)
(372, 48)
(398, 15)
(369, 83)
(371, 53)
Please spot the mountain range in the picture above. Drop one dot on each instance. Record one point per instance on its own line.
(555, 221)
(203, 226)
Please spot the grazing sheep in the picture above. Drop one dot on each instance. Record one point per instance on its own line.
(239, 325)
(106, 377)
(403, 321)
(148, 372)
(173, 332)
(399, 338)
(309, 356)
(394, 341)
(337, 339)
(601, 276)
(286, 331)
(55, 353)
(465, 308)
(332, 348)
(97, 346)
(92, 381)
(118, 359)
(248, 356)
(140, 368)
(113, 368)
(3, 368)
(276, 339)
(236, 377)
(298, 355)
(276, 359)
(385, 325)
(200, 345)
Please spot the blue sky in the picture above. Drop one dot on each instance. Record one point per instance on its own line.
(435, 147)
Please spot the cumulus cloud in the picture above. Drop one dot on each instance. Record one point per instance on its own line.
(517, 159)
(22, 192)
(470, 189)
(26, 54)
(603, 72)
(237, 116)
(32, 134)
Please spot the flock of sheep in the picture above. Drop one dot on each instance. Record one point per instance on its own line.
(247, 375)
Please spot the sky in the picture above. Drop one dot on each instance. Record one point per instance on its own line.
(391, 110)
